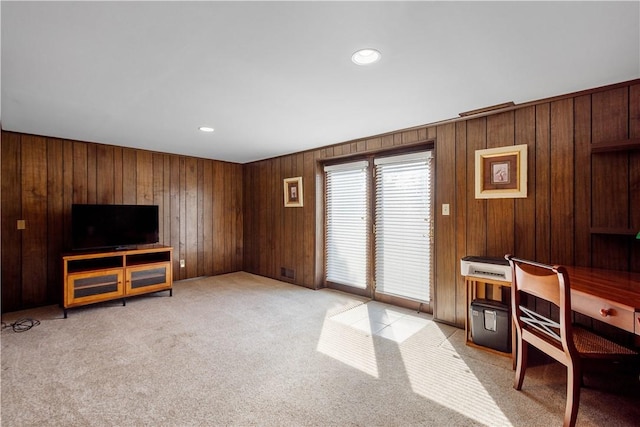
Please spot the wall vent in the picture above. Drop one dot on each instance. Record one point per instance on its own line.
(287, 272)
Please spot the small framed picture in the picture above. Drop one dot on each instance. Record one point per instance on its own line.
(293, 192)
(501, 172)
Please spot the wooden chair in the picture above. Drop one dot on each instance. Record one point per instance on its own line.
(559, 339)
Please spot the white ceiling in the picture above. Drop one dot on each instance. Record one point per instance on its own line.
(276, 77)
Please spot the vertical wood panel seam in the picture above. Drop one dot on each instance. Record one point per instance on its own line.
(629, 174)
(549, 180)
(629, 167)
(514, 138)
(591, 242)
(485, 201)
(575, 156)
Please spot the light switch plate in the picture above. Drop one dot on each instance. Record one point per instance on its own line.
(445, 209)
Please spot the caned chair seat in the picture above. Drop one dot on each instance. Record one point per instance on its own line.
(557, 338)
(589, 344)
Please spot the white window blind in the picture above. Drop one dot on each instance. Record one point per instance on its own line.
(403, 220)
(347, 242)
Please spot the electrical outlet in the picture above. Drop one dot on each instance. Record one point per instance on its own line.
(445, 209)
(22, 224)
(181, 263)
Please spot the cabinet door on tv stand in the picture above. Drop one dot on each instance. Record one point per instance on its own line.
(90, 287)
(148, 278)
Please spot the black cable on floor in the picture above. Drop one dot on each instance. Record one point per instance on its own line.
(21, 325)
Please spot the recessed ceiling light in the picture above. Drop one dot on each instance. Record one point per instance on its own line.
(205, 129)
(366, 56)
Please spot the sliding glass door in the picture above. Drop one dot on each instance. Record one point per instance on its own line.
(379, 220)
(403, 223)
(347, 226)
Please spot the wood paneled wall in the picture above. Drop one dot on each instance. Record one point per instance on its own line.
(200, 204)
(223, 217)
(570, 190)
(278, 238)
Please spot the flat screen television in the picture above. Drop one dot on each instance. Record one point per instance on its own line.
(113, 226)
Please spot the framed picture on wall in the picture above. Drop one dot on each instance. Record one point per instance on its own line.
(501, 172)
(293, 192)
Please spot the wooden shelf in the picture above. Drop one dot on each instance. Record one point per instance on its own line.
(622, 145)
(614, 231)
(95, 285)
(474, 291)
(149, 275)
(80, 263)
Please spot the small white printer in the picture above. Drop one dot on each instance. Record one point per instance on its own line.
(486, 268)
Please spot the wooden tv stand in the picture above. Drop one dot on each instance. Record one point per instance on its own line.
(92, 277)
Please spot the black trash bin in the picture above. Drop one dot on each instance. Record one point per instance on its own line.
(491, 324)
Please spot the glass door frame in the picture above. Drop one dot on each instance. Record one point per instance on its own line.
(369, 291)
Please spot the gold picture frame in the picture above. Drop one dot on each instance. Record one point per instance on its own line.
(293, 192)
(501, 172)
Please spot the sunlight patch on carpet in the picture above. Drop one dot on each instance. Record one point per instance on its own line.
(347, 334)
(348, 346)
(435, 372)
(375, 318)
(445, 378)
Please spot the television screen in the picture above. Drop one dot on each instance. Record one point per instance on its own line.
(113, 226)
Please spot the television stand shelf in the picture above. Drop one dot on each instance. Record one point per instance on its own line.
(92, 277)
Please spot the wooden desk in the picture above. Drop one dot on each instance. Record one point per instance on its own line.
(610, 296)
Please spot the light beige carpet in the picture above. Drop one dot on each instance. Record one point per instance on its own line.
(242, 350)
